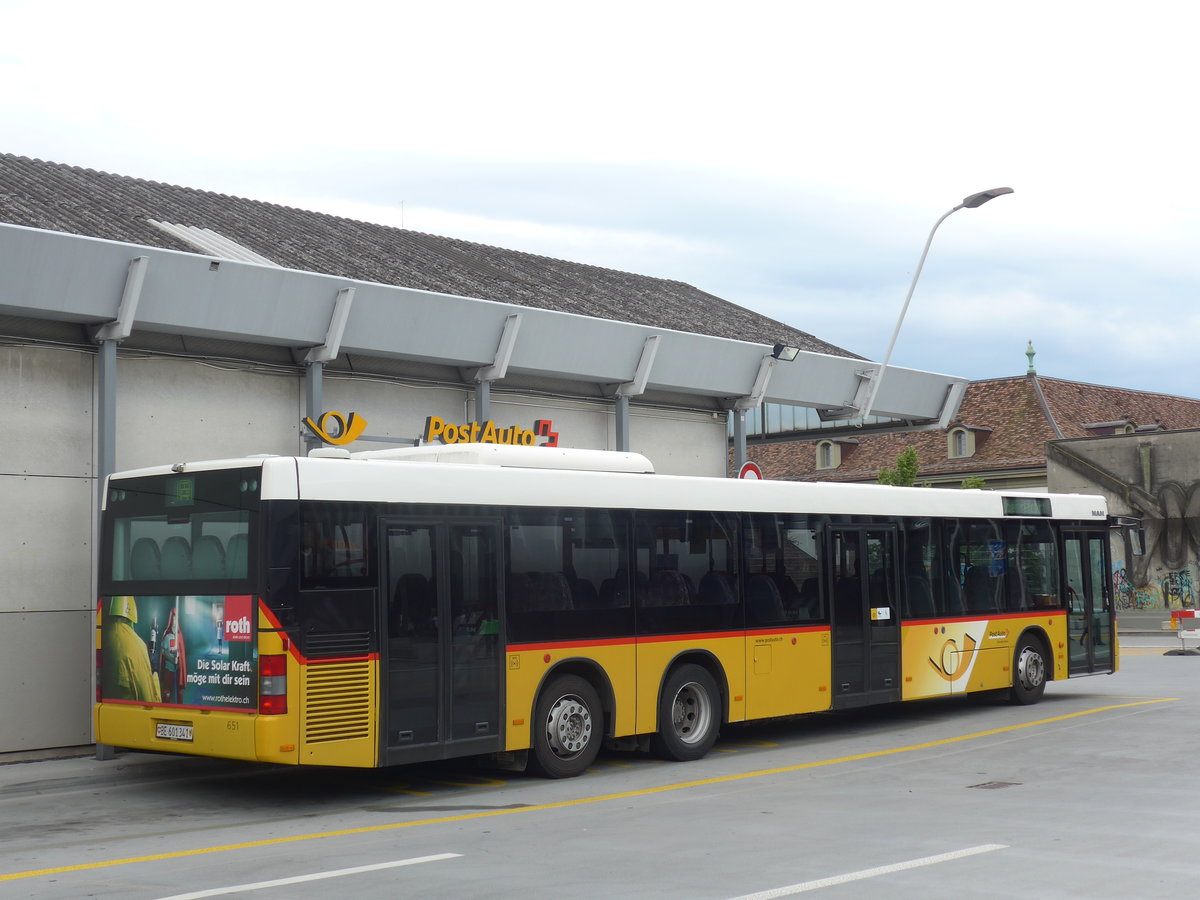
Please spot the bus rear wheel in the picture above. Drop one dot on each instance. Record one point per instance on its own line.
(1029, 672)
(568, 726)
(688, 714)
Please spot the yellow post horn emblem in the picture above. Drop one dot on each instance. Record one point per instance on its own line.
(347, 428)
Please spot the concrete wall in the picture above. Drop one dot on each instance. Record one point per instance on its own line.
(47, 495)
(171, 409)
(1153, 476)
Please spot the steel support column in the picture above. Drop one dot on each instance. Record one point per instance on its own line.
(313, 402)
(739, 438)
(622, 414)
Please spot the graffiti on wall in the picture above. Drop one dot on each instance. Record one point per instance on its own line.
(1177, 590)
(1129, 596)
(1161, 575)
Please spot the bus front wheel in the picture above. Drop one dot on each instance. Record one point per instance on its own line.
(568, 726)
(688, 714)
(1029, 672)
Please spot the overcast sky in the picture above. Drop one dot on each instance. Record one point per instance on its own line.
(788, 157)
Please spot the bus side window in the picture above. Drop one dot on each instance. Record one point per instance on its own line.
(334, 546)
(782, 584)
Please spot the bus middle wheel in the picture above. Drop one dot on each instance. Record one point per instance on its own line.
(689, 714)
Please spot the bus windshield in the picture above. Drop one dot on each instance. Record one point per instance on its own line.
(190, 527)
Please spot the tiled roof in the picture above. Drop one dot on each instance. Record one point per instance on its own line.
(81, 201)
(1012, 427)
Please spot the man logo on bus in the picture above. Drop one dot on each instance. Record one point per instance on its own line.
(238, 612)
(955, 663)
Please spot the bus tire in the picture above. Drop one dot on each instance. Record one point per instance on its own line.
(568, 726)
(689, 714)
(1029, 671)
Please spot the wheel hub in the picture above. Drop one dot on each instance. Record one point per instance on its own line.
(689, 713)
(568, 726)
(1031, 669)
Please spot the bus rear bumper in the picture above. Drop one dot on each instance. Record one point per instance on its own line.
(231, 735)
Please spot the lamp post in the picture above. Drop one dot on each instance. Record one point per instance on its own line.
(971, 202)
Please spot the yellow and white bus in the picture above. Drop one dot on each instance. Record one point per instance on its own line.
(534, 603)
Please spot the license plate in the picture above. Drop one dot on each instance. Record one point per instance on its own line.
(169, 732)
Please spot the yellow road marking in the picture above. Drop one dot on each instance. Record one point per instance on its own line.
(580, 801)
(409, 791)
(483, 781)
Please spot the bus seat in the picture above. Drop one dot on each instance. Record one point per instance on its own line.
(176, 558)
(920, 596)
(716, 589)
(791, 595)
(954, 596)
(237, 556)
(144, 560)
(807, 599)
(667, 588)
(615, 592)
(978, 589)
(553, 591)
(208, 557)
(584, 594)
(763, 600)
(611, 595)
(539, 592)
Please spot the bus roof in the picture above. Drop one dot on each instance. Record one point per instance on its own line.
(486, 479)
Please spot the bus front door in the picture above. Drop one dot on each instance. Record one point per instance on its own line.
(865, 616)
(441, 657)
(1089, 602)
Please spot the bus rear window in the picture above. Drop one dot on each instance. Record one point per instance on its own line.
(193, 527)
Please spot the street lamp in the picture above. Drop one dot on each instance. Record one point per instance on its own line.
(971, 202)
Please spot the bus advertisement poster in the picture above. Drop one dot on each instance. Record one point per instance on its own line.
(194, 651)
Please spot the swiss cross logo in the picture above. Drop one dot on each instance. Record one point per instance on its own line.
(542, 427)
(238, 612)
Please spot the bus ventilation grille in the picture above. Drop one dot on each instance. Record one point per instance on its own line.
(337, 702)
(339, 643)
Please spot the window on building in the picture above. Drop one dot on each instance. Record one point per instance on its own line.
(961, 444)
(829, 455)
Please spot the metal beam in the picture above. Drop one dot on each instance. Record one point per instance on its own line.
(641, 375)
(739, 438)
(621, 407)
(120, 327)
(313, 399)
(504, 351)
(754, 399)
(328, 351)
(483, 401)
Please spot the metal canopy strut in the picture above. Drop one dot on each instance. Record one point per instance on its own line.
(633, 388)
(485, 375)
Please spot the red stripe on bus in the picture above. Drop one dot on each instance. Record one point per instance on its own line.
(662, 638)
(987, 617)
(701, 636)
(300, 658)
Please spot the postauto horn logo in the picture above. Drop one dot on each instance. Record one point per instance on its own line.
(334, 428)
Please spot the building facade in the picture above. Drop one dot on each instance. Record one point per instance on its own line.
(997, 440)
(1152, 477)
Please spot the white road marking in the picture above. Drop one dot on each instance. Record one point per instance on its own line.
(316, 876)
(870, 873)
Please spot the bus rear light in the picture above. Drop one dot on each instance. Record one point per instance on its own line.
(99, 674)
(272, 685)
